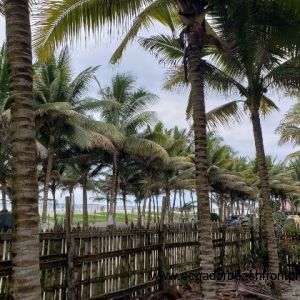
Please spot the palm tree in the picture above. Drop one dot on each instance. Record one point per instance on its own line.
(25, 255)
(228, 73)
(69, 180)
(125, 107)
(87, 164)
(60, 105)
(128, 175)
(173, 174)
(289, 129)
(256, 61)
(194, 38)
(192, 14)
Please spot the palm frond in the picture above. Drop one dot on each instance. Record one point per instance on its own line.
(156, 11)
(285, 76)
(175, 79)
(267, 106)
(144, 148)
(63, 21)
(289, 128)
(59, 108)
(165, 48)
(225, 115)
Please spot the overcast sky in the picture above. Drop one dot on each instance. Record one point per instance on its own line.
(171, 106)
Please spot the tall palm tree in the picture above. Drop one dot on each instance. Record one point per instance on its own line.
(174, 174)
(256, 66)
(192, 13)
(264, 71)
(195, 36)
(25, 243)
(126, 107)
(61, 105)
(87, 164)
(128, 175)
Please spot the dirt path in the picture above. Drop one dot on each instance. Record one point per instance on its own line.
(230, 290)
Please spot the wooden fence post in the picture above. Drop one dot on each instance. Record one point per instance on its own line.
(162, 271)
(223, 245)
(238, 247)
(148, 267)
(70, 252)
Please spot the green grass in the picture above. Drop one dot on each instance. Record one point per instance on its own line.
(99, 217)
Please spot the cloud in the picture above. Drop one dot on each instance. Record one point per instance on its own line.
(171, 107)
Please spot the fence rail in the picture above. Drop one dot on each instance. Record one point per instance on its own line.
(122, 263)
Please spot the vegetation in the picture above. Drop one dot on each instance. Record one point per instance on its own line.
(24, 185)
(114, 146)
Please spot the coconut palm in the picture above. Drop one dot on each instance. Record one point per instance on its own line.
(25, 256)
(289, 128)
(271, 72)
(175, 173)
(63, 19)
(125, 107)
(257, 62)
(128, 175)
(280, 74)
(194, 37)
(87, 164)
(60, 105)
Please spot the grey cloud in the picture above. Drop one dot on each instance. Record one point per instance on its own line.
(171, 107)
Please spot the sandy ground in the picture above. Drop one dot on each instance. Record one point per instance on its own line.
(294, 292)
(228, 290)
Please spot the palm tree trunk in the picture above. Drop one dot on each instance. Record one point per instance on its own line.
(3, 191)
(139, 221)
(243, 207)
(25, 242)
(154, 208)
(53, 190)
(221, 207)
(84, 199)
(166, 208)
(107, 206)
(47, 175)
(157, 208)
(267, 212)
(173, 207)
(149, 213)
(200, 134)
(231, 207)
(144, 212)
(113, 202)
(181, 205)
(193, 205)
(211, 202)
(73, 204)
(124, 205)
(163, 212)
